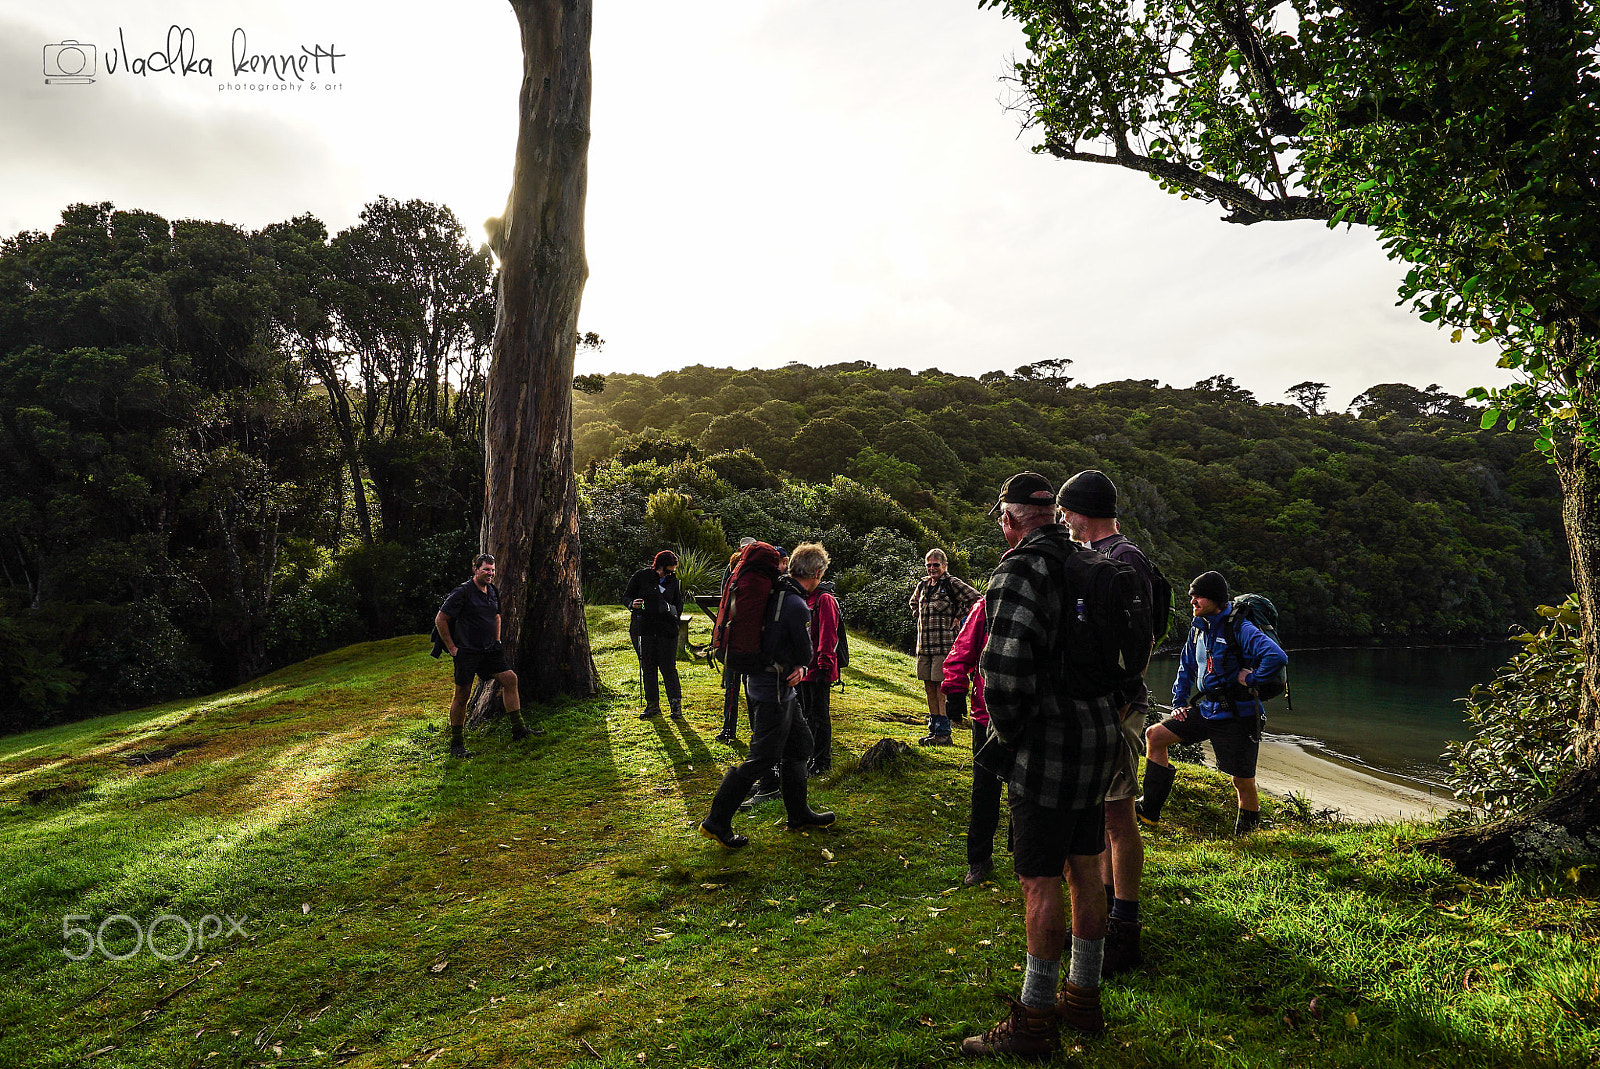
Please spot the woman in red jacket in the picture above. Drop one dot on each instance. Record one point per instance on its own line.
(960, 676)
(807, 564)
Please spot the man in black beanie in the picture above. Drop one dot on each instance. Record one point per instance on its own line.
(1088, 503)
(1212, 699)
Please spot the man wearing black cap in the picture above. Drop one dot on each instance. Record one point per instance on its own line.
(1056, 751)
(657, 601)
(1226, 712)
(1088, 503)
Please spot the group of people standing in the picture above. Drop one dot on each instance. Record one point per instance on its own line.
(1068, 754)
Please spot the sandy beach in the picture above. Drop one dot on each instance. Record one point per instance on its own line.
(1287, 767)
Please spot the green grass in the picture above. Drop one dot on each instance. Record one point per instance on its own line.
(547, 902)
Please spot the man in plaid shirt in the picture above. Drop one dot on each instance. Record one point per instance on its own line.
(941, 603)
(1057, 754)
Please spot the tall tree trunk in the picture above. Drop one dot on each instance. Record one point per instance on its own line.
(530, 514)
(1567, 824)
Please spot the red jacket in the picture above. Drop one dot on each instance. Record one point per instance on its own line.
(961, 663)
(824, 636)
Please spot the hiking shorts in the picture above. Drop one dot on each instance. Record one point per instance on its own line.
(1043, 838)
(1236, 740)
(930, 667)
(485, 664)
(1125, 777)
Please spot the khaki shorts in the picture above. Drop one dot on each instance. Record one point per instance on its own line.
(930, 667)
(1125, 780)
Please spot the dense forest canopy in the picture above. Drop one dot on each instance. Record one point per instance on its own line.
(227, 449)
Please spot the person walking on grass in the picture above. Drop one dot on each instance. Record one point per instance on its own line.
(656, 599)
(469, 628)
(778, 732)
(807, 567)
(961, 678)
(1056, 751)
(1088, 503)
(1223, 709)
(940, 602)
(731, 683)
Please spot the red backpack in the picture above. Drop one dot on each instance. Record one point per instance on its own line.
(736, 636)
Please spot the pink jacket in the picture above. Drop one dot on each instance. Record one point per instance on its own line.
(824, 636)
(961, 663)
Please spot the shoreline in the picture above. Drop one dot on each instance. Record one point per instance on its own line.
(1360, 794)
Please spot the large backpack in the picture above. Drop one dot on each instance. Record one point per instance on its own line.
(1106, 633)
(1260, 611)
(1161, 594)
(741, 617)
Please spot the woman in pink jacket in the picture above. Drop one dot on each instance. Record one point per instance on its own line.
(960, 676)
(806, 567)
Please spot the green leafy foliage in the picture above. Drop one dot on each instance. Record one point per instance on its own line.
(1523, 720)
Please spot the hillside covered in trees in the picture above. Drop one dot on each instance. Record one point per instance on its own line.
(226, 450)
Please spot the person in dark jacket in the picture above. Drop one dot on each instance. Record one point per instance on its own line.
(778, 733)
(657, 601)
(806, 567)
(1226, 712)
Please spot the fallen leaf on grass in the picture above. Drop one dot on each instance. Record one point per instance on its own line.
(439, 967)
(305, 907)
(711, 887)
(827, 855)
(1351, 1020)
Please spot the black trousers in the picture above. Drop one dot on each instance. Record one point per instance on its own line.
(732, 694)
(779, 736)
(658, 653)
(985, 817)
(816, 698)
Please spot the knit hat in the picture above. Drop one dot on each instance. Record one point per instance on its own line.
(782, 553)
(666, 558)
(1210, 585)
(1089, 493)
(1024, 488)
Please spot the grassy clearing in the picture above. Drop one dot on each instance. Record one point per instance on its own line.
(550, 902)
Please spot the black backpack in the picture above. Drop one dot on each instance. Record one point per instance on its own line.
(1260, 611)
(841, 649)
(1161, 594)
(1106, 633)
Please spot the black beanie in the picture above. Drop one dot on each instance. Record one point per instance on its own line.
(1210, 585)
(1089, 493)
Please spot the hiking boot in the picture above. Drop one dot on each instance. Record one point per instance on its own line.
(725, 837)
(1122, 947)
(1158, 780)
(676, 711)
(812, 819)
(650, 712)
(934, 740)
(1079, 1008)
(459, 750)
(1025, 1033)
(1144, 818)
(759, 796)
(1247, 821)
(726, 737)
(977, 872)
(519, 732)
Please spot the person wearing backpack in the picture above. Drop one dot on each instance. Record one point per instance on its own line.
(1227, 659)
(940, 602)
(1055, 710)
(1088, 502)
(656, 599)
(778, 732)
(807, 565)
(963, 682)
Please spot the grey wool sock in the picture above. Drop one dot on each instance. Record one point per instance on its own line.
(1039, 983)
(1086, 957)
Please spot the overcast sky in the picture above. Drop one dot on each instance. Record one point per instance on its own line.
(770, 180)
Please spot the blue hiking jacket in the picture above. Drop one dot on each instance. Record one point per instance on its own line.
(1207, 657)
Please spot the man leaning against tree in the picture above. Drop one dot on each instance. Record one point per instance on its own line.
(469, 627)
(1056, 753)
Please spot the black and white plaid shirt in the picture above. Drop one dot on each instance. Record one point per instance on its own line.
(1053, 750)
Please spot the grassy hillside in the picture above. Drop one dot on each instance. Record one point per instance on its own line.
(550, 903)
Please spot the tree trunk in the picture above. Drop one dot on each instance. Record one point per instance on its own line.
(1567, 824)
(530, 514)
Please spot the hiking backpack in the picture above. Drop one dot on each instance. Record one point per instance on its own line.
(841, 649)
(1260, 611)
(1106, 633)
(1161, 595)
(741, 616)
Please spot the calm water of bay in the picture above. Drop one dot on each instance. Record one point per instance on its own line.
(1391, 709)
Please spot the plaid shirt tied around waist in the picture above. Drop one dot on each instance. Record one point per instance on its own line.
(940, 613)
(1053, 750)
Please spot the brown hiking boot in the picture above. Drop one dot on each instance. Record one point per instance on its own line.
(1122, 947)
(1025, 1033)
(1079, 1008)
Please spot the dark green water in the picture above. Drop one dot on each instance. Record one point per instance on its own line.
(1392, 709)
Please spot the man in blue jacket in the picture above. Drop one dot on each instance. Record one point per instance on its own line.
(1223, 709)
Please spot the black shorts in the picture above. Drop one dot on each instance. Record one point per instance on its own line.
(1043, 838)
(1236, 740)
(485, 665)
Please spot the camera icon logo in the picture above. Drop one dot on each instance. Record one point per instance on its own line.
(69, 62)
